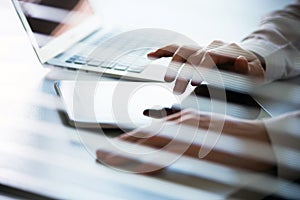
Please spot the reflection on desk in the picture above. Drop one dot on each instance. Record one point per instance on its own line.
(41, 157)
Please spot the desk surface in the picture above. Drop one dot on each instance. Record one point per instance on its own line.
(40, 155)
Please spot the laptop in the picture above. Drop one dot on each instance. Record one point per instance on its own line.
(70, 34)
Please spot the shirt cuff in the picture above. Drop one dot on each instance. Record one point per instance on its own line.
(282, 132)
(274, 59)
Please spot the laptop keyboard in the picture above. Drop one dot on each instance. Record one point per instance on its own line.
(132, 62)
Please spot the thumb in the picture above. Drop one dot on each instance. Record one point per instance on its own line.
(241, 65)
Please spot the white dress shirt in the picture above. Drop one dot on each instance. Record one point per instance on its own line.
(277, 41)
(284, 133)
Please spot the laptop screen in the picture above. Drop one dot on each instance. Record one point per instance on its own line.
(49, 19)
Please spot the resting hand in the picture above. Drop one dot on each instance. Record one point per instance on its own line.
(230, 57)
(239, 129)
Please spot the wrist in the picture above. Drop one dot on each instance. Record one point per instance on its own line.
(261, 60)
(260, 132)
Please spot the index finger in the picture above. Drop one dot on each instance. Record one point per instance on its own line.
(167, 51)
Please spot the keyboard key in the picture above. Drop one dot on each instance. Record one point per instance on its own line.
(70, 60)
(80, 62)
(75, 57)
(95, 63)
(107, 65)
(136, 69)
(120, 67)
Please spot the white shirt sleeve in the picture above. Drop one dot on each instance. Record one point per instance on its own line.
(284, 133)
(278, 41)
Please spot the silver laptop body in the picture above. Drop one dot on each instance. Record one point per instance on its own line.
(69, 34)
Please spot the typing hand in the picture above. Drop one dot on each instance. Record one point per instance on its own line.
(225, 56)
(239, 129)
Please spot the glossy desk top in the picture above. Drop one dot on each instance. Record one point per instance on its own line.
(41, 155)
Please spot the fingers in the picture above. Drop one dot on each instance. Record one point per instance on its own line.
(179, 58)
(216, 58)
(160, 113)
(127, 164)
(256, 70)
(229, 57)
(133, 136)
(215, 44)
(132, 163)
(188, 72)
(187, 117)
(232, 50)
(177, 115)
(253, 68)
(180, 55)
(183, 80)
(110, 159)
(166, 51)
(184, 54)
(241, 65)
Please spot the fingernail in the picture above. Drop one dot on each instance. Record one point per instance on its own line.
(169, 79)
(151, 54)
(146, 112)
(177, 91)
(195, 83)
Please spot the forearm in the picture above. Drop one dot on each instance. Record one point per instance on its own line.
(277, 41)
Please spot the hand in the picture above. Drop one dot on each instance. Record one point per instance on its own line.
(239, 129)
(225, 56)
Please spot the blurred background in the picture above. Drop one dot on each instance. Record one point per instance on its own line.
(203, 21)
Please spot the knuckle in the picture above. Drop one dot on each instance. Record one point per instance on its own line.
(234, 45)
(183, 49)
(188, 111)
(216, 43)
(170, 48)
(194, 60)
(207, 54)
(186, 51)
